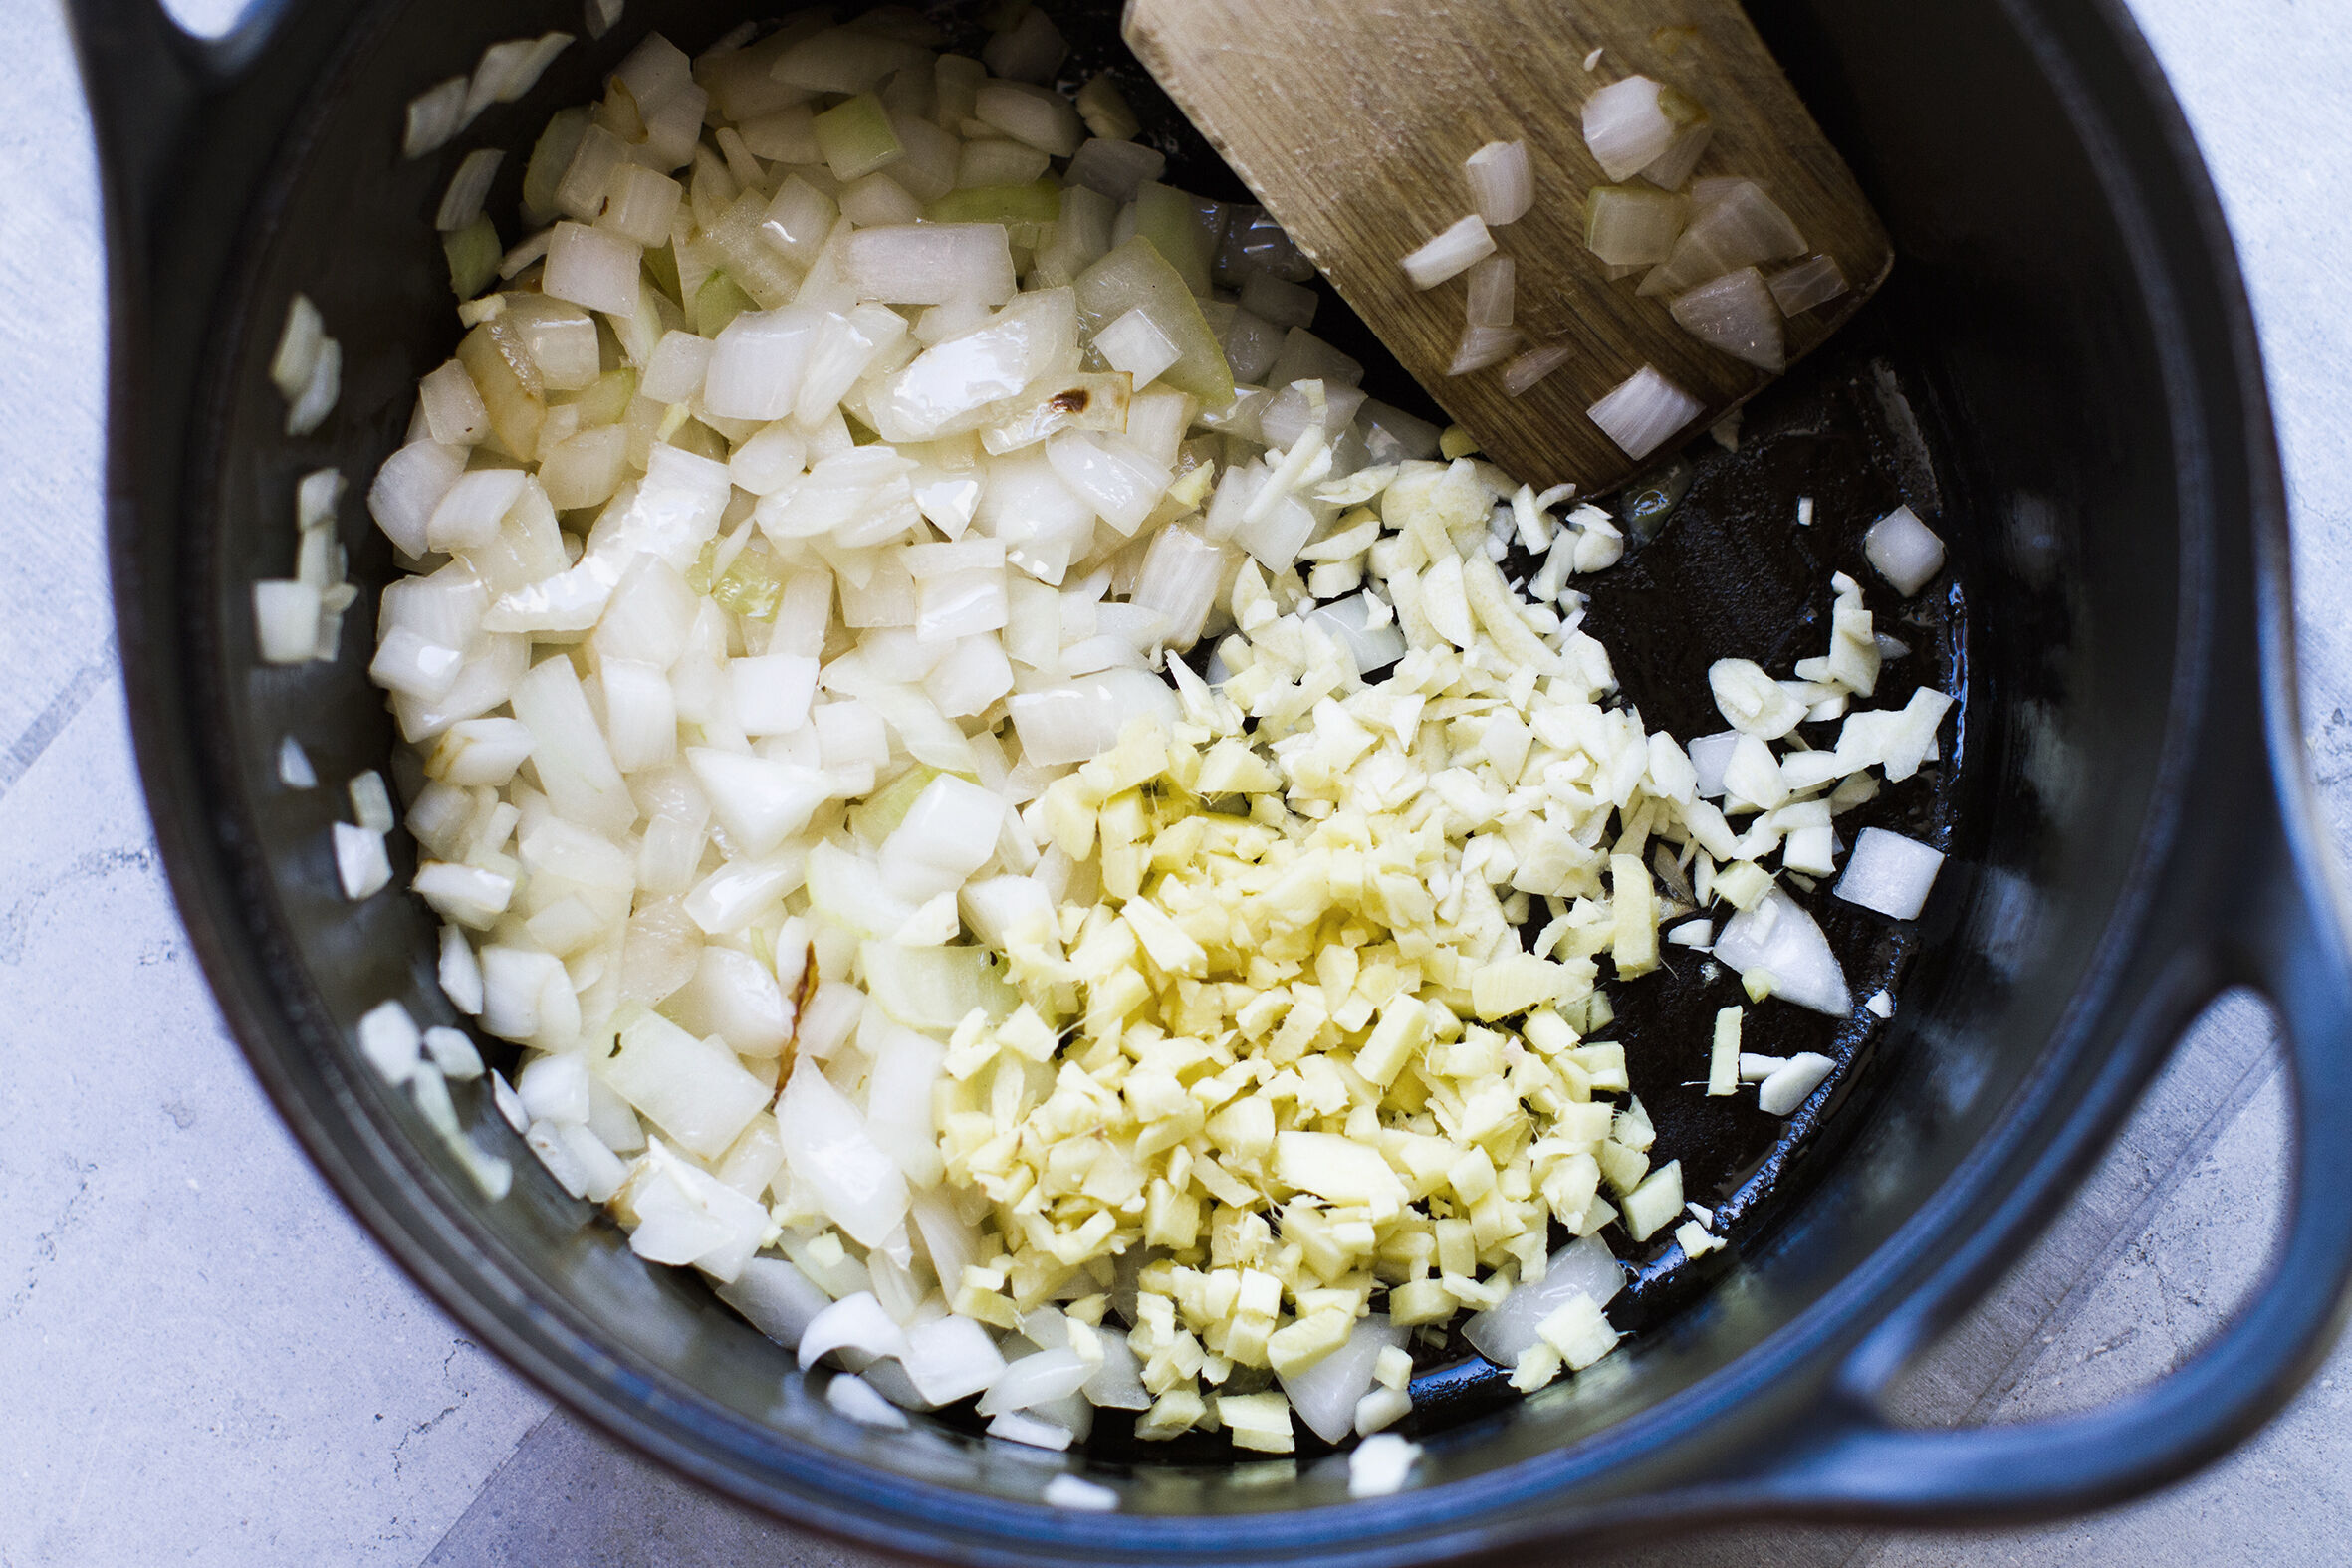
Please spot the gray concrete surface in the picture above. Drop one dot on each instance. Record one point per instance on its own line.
(203, 1361)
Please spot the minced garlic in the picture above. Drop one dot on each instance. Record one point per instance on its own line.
(1292, 1043)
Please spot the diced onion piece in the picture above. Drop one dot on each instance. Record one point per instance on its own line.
(1324, 1394)
(855, 1397)
(1631, 124)
(1533, 365)
(1134, 274)
(1104, 108)
(1453, 251)
(286, 620)
(1031, 50)
(1502, 182)
(1033, 116)
(827, 1145)
(592, 267)
(1692, 132)
(757, 363)
(778, 1299)
(1780, 938)
(1794, 1083)
(1735, 314)
(1033, 1431)
(1633, 225)
(372, 802)
(461, 203)
(1136, 344)
(1380, 1463)
(854, 1325)
(930, 264)
(1081, 1495)
(318, 393)
(1813, 281)
(1371, 648)
(951, 1358)
(434, 116)
(847, 59)
(1643, 411)
(360, 863)
(1731, 227)
(1114, 168)
(1181, 577)
(409, 487)
(856, 138)
(294, 766)
(1889, 873)
(300, 342)
(1508, 1330)
(1036, 1380)
(389, 1040)
(1482, 348)
(1905, 550)
(1492, 285)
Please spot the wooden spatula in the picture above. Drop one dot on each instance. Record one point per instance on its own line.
(1351, 122)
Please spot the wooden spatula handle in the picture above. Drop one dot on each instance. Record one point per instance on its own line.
(1350, 121)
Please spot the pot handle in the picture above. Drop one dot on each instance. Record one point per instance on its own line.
(148, 79)
(2289, 944)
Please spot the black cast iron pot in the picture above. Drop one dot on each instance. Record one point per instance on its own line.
(2129, 816)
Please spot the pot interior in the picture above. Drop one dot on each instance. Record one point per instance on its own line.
(2010, 384)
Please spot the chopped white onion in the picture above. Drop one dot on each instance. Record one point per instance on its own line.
(1735, 226)
(306, 412)
(1453, 251)
(855, 1397)
(930, 264)
(778, 1299)
(1533, 365)
(827, 1145)
(1137, 344)
(1780, 939)
(592, 267)
(1325, 1395)
(462, 202)
(1815, 281)
(294, 766)
(1502, 182)
(1905, 550)
(286, 620)
(1643, 411)
(1081, 1495)
(1370, 647)
(389, 1040)
(434, 116)
(1889, 873)
(1483, 346)
(1492, 285)
(951, 1358)
(1630, 125)
(1380, 1463)
(1507, 1330)
(1116, 168)
(360, 863)
(1792, 1084)
(300, 342)
(1031, 50)
(856, 1325)
(1735, 314)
